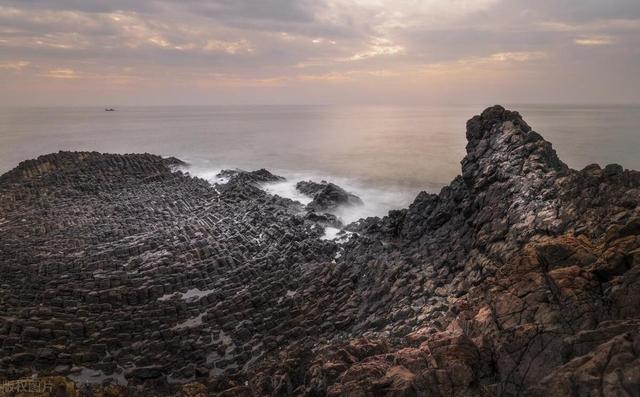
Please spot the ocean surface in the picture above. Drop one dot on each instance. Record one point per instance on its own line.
(386, 155)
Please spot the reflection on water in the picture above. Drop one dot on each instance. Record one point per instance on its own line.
(397, 151)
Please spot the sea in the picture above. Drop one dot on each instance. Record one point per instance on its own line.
(384, 154)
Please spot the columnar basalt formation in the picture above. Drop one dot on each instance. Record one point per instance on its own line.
(522, 277)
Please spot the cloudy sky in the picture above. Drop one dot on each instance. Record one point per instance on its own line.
(150, 52)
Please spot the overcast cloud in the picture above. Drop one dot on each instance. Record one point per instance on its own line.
(325, 51)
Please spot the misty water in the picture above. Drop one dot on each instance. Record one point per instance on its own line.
(386, 155)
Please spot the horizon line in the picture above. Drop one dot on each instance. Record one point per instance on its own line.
(503, 103)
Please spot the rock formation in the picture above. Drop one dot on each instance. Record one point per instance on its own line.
(522, 277)
(326, 196)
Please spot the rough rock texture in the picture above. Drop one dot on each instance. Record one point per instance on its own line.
(258, 176)
(522, 277)
(326, 196)
(116, 268)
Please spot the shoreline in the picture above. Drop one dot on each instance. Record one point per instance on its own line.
(515, 278)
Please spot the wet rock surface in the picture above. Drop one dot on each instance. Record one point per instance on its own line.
(258, 176)
(326, 196)
(522, 277)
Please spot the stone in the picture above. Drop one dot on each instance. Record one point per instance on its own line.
(327, 196)
(521, 277)
(144, 373)
(258, 176)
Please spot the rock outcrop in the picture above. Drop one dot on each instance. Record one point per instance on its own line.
(326, 196)
(258, 176)
(522, 277)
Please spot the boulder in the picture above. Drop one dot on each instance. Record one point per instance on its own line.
(327, 196)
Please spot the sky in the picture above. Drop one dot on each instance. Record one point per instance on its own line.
(189, 52)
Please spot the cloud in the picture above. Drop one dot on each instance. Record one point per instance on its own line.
(379, 46)
(89, 6)
(17, 65)
(594, 41)
(292, 43)
(62, 74)
(333, 76)
(263, 10)
(476, 65)
(514, 56)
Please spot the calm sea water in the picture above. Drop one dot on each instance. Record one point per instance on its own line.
(385, 154)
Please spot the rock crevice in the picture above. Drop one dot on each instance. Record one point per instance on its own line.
(521, 277)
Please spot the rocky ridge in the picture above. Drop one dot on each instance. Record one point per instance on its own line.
(522, 277)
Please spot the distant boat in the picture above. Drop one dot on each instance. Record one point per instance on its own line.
(109, 110)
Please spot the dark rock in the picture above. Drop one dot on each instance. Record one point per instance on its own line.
(310, 188)
(258, 176)
(324, 219)
(20, 359)
(326, 196)
(144, 373)
(174, 162)
(521, 277)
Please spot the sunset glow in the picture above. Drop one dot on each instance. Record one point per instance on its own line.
(330, 51)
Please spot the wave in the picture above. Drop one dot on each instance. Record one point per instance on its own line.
(377, 200)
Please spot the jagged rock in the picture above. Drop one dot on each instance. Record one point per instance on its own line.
(324, 219)
(258, 176)
(611, 369)
(245, 185)
(521, 277)
(326, 196)
(310, 188)
(174, 162)
(145, 373)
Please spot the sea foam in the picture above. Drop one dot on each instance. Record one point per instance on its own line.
(377, 200)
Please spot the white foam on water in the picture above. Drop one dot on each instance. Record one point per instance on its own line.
(330, 233)
(209, 174)
(377, 200)
(286, 189)
(337, 235)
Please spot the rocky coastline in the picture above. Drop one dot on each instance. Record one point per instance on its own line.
(122, 275)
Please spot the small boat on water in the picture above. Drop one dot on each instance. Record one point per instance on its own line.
(109, 110)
